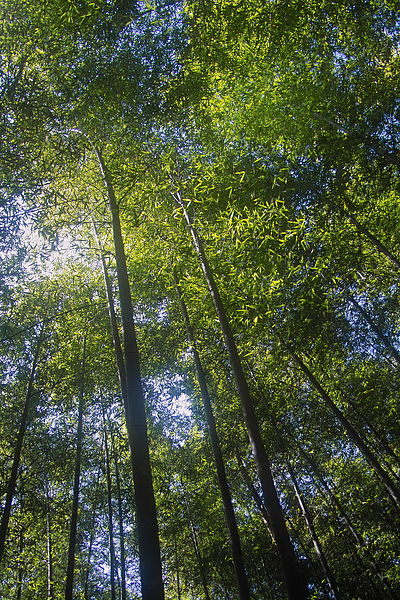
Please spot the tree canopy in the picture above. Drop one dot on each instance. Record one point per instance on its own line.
(199, 298)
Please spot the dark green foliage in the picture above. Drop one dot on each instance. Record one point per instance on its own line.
(277, 124)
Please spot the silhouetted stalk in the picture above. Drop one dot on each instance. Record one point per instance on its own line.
(119, 356)
(20, 574)
(329, 577)
(122, 380)
(236, 550)
(197, 552)
(110, 512)
(293, 578)
(254, 494)
(267, 578)
(74, 516)
(394, 493)
(178, 585)
(91, 541)
(358, 538)
(50, 586)
(379, 440)
(121, 529)
(146, 518)
(314, 538)
(374, 241)
(306, 553)
(18, 447)
(89, 558)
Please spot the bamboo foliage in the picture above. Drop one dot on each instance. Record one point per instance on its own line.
(253, 148)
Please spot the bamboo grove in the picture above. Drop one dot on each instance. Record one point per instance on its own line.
(199, 235)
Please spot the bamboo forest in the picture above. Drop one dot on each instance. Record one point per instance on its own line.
(199, 300)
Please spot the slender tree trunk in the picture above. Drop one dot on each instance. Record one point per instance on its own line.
(267, 577)
(263, 587)
(394, 493)
(121, 529)
(264, 515)
(310, 562)
(20, 574)
(197, 552)
(293, 578)
(199, 560)
(89, 557)
(220, 573)
(314, 538)
(122, 380)
(330, 579)
(118, 579)
(332, 497)
(18, 448)
(379, 440)
(146, 518)
(254, 494)
(236, 550)
(360, 543)
(110, 513)
(50, 586)
(119, 355)
(359, 540)
(374, 241)
(178, 584)
(74, 516)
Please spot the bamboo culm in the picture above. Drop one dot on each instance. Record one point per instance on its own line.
(236, 549)
(295, 584)
(18, 447)
(74, 516)
(135, 416)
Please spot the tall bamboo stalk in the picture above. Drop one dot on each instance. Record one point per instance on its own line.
(236, 549)
(146, 517)
(18, 446)
(394, 492)
(293, 578)
(110, 513)
(74, 515)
